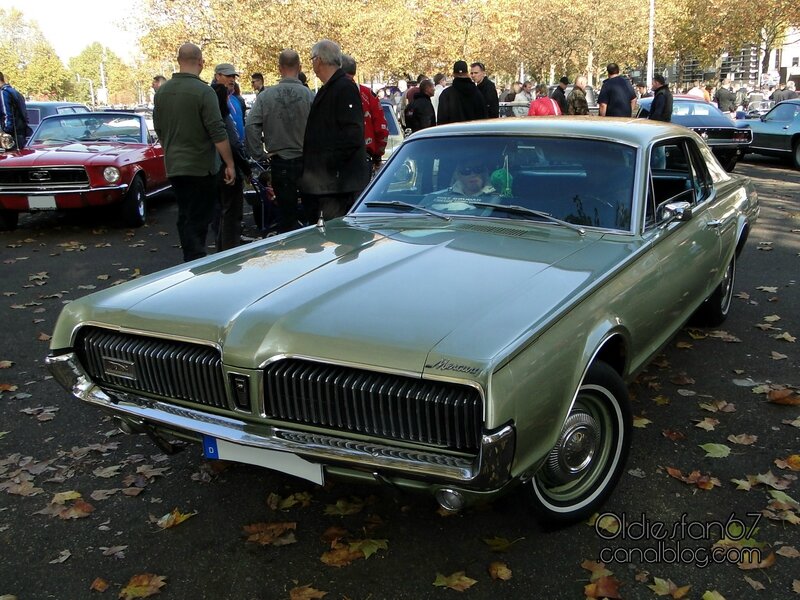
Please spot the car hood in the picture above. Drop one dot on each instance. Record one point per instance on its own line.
(443, 299)
(71, 153)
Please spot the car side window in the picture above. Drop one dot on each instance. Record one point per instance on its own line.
(65, 110)
(782, 112)
(671, 179)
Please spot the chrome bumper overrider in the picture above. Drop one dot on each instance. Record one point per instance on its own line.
(490, 470)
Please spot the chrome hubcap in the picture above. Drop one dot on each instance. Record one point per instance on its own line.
(577, 445)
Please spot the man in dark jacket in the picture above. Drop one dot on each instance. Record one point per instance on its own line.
(559, 96)
(726, 97)
(461, 101)
(487, 88)
(335, 168)
(661, 107)
(420, 113)
(13, 114)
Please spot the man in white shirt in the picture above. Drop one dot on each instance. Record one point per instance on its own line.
(440, 82)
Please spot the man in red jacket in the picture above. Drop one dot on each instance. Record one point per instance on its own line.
(376, 131)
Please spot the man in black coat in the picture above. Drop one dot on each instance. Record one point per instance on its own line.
(461, 101)
(661, 107)
(559, 94)
(335, 168)
(420, 113)
(726, 97)
(487, 88)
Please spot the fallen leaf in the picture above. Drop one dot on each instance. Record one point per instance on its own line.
(675, 436)
(795, 423)
(500, 544)
(714, 595)
(458, 581)
(99, 585)
(791, 462)
(718, 406)
(708, 424)
(115, 551)
(142, 586)
(43, 337)
(743, 439)
(340, 555)
(306, 592)
(276, 534)
(785, 336)
(665, 587)
(785, 397)
(107, 472)
(771, 319)
(641, 422)
(499, 570)
(62, 556)
(704, 482)
(597, 569)
(604, 587)
(756, 585)
(368, 547)
(62, 497)
(788, 552)
(768, 289)
(715, 450)
(6, 364)
(173, 518)
(749, 564)
(275, 502)
(344, 507)
(682, 379)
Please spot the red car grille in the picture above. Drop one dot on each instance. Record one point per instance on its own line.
(24, 179)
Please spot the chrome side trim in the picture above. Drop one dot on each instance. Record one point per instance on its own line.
(490, 470)
(158, 191)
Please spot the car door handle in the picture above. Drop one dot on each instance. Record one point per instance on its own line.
(716, 223)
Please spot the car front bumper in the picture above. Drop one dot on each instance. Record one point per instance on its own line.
(58, 199)
(489, 471)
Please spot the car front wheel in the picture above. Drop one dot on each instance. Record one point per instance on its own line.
(796, 154)
(583, 467)
(134, 205)
(8, 220)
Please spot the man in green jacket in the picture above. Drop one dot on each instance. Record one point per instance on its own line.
(189, 125)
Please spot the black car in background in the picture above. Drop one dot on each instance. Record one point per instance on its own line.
(39, 110)
(727, 140)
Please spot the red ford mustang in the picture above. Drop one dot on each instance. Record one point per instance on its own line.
(82, 160)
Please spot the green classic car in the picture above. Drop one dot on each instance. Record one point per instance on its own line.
(468, 327)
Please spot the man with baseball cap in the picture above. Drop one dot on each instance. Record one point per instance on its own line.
(462, 101)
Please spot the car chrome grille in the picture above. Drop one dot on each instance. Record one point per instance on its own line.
(36, 179)
(165, 368)
(442, 414)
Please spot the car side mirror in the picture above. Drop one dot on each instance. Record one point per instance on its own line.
(677, 211)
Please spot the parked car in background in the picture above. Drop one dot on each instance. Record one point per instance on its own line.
(591, 97)
(515, 108)
(39, 110)
(777, 133)
(396, 132)
(727, 140)
(80, 160)
(756, 110)
(466, 329)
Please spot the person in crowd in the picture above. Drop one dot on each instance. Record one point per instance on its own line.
(376, 131)
(13, 114)
(275, 129)
(487, 89)
(791, 92)
(708, 92)
(511, 94)
(230, 208)
(779, 95)
(226, 74)
(725, 97)
(420, 113)
(189, 125)
(642, 91)
(257, 82)
(559, 94)
(439, 83)
(527, 91)
(617, 98)
(335, 166)
(576, 101)
(661, 107)
(462, 101)
(158, 80)
(237, 93)
(696, 90)
(543, 105)
(303, 79)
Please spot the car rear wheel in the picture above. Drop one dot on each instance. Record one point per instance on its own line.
(134, 205)
(583, 467)
(716, 309)
(8, 220)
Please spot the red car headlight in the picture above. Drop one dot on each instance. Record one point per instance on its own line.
(111, 174)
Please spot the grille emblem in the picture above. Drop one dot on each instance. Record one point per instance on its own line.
(115, 367)
(40, 176)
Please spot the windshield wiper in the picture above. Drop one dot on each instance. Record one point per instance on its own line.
(407, 206)
(521, 210)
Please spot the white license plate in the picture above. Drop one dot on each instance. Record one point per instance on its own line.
(271, 459)
(42, 202)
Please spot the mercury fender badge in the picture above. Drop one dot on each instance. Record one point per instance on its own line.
(116, 367)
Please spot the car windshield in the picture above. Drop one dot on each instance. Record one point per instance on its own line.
(580, 181)
(89, 127)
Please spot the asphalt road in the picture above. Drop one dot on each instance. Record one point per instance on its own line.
(51, 444)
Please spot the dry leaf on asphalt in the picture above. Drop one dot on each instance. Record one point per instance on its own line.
(604, 587)
(99, 585)
(784, 397)
(500, 544)
(665, 587)
(172, 519)
(743, 439)
(715, 450)
(499, 570)
(142, 586)
(597, 569)
(704, 482)
(275, 534)
(306, 592)
(458, 581)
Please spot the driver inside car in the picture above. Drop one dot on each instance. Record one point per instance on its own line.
(470, 180)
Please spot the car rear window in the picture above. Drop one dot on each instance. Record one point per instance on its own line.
(34, 116)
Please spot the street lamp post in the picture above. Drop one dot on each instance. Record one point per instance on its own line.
(91, 88)
(651, 42)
